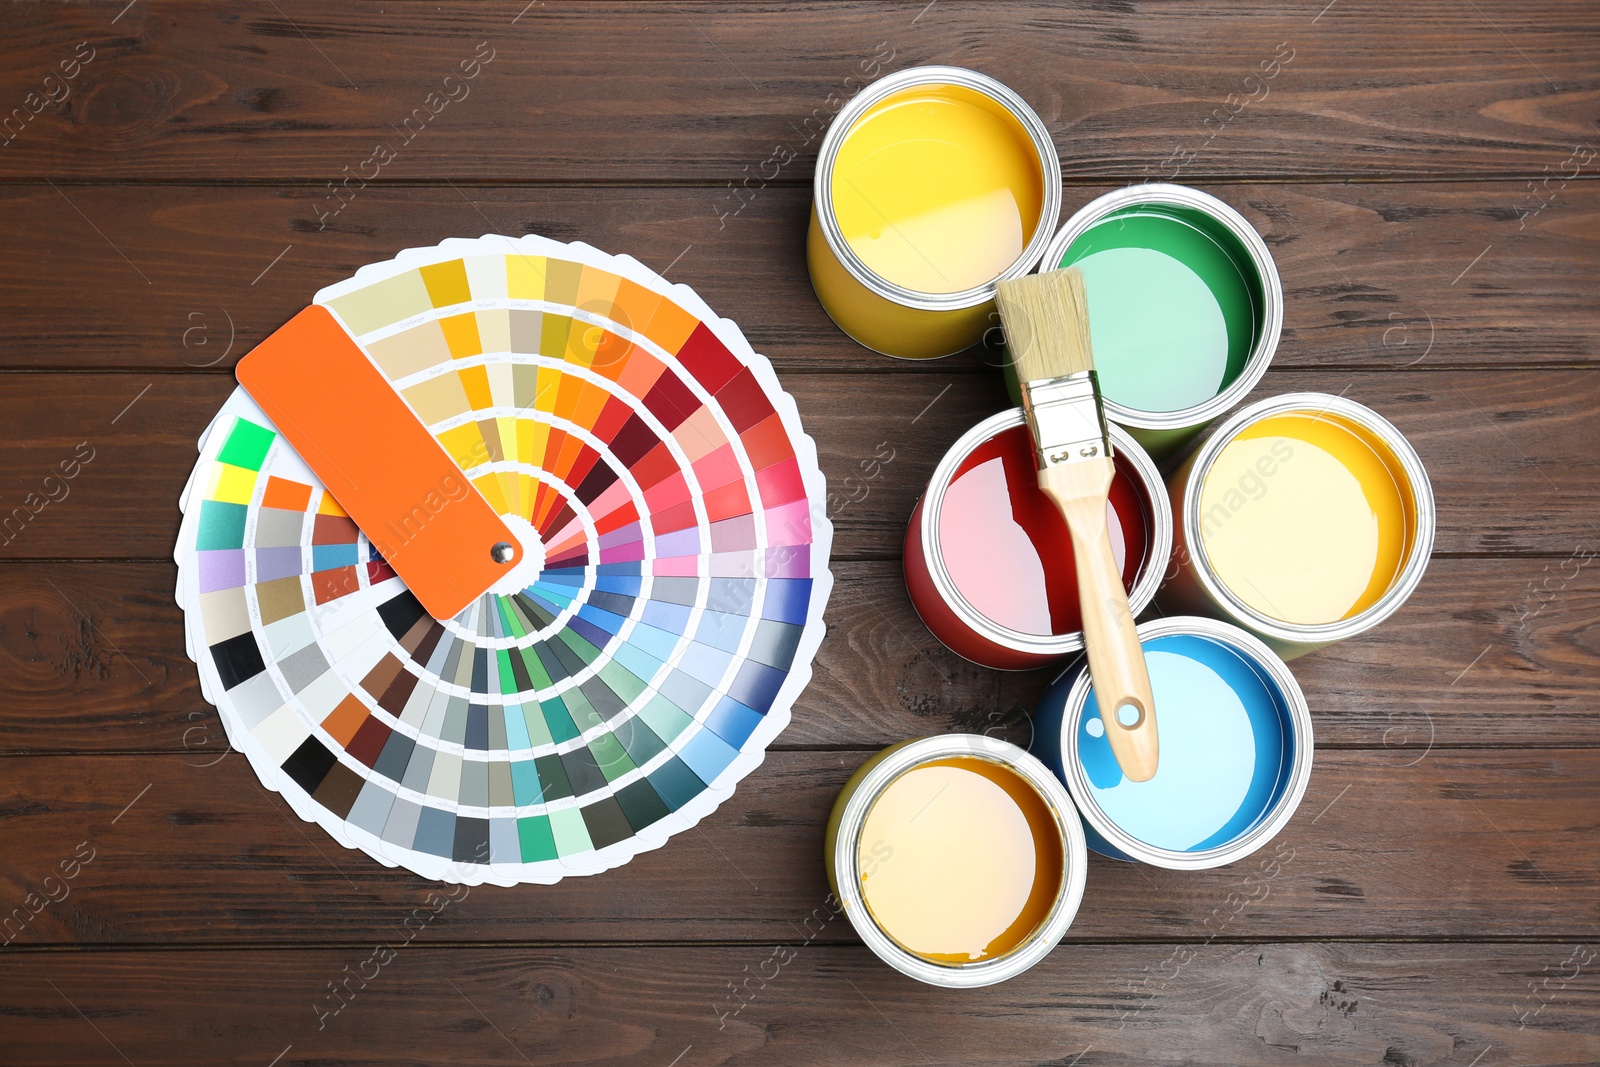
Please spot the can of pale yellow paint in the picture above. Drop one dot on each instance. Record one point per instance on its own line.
(932, 184)
(1304, 518)
(959, 859)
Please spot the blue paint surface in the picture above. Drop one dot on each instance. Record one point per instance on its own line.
(1226, 749)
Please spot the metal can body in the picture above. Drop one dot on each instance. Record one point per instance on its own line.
(841, 852)
(878, 312)
(1166, 257)
(940, 585)
(1236, 749)
(1199, 580)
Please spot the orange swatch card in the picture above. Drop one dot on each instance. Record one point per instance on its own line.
(379, 461)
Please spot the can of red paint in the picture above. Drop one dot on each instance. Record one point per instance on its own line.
(988, 558)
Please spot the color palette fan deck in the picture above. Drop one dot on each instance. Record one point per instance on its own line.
(626, 674)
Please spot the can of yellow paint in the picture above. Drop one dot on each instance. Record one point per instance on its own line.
(931, 185)
(1304, 518)
(959, 859)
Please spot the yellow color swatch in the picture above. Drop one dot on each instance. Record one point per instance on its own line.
(446, 283)
(525, 277)
(230, 484)
(461, 334)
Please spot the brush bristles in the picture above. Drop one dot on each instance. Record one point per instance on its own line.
(1046, 319)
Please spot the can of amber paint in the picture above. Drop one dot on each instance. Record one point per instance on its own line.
(959, 859)
(1185, 306)
(932, 184)
(1305, 518)
(1236, 748)
(988, 559)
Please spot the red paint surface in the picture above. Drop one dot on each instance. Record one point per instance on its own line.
(1007, 548)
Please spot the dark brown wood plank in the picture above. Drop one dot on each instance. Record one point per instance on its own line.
(92, 660)
(1372, 273)
(186, 91)
(1223, 1005)
(1462, 845)
(1510, 454)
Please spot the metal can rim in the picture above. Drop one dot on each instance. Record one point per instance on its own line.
(1277, 817)
(1405, 454)
(822, 184)
(1261, 352)
(1074, 856)
(1144, 587)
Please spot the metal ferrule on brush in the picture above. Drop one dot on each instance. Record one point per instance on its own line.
(1068, 424)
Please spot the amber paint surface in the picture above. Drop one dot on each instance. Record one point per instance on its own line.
(960, 860)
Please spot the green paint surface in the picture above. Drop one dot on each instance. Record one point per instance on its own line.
(221, 525)
(584, 715)
(559, 722)
(538, 729)
(609, 755)
(536, 671)
(1173, 306)
(585, 651)
(622, 681)
(538, 843)
(641, 804)
(665, 718)
(247, 445)
(570, 834)
(508, 618)
(508, 681)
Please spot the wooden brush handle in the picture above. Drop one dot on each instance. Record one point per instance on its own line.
(1116, 658)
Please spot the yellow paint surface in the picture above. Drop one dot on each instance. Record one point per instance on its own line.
(230, 484)
(937, 188)
(1305, 518)
(960, 860)
(446, 283)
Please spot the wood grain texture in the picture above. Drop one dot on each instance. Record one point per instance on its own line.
(1510, 455)
(1374, 275)
(1224, 1005)
(92, 660)
(1424, 176)
(1457, 845)
(187, 91)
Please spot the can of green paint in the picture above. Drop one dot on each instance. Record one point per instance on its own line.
(1185, 306)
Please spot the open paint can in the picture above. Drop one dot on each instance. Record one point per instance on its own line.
(959, 859)
(988, 557)
(1185, 306)
(931, 185)
(1305, 518)
(1235, 749)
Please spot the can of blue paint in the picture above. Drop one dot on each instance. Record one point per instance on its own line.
(1236, 749)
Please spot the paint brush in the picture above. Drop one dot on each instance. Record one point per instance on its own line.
(1046, 320)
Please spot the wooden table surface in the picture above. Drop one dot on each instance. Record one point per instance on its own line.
(1424, 174)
